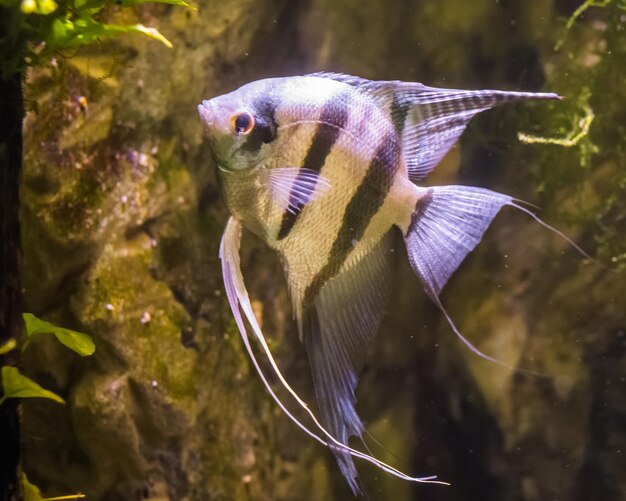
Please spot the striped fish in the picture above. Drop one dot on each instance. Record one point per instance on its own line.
(323, 168)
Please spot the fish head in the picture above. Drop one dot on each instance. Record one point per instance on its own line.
(240, 126)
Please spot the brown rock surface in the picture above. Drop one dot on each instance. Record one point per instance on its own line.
(122, 220)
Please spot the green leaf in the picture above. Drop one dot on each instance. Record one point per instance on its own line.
(129, 3)
(109, 30)
(8, 346)
(28, 6)
(85, 30)
(89, 6)
(32, 492)
(16, 385)
(75, 341)
(151, 32)
(44, 7)
(60, 32)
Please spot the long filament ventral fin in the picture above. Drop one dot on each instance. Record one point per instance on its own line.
(238, 297)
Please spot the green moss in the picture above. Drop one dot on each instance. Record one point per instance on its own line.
(171, 407)
(586, 162)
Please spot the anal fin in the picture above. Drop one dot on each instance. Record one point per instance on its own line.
(338, 329)
(240, 303)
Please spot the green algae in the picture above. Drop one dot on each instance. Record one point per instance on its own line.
(122, 225)
(592, 168)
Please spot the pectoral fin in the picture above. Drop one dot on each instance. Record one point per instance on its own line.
(294, 187)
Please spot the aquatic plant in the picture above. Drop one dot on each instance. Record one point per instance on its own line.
(585, 136)
(32, 31)
(33, 493)
(14, 384)
(37, 29)
(121, 218)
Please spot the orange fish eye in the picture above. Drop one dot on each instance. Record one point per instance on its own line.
(242, 123)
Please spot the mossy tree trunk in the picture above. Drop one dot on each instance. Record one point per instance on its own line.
(11, 114)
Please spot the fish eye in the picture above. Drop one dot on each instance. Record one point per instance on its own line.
(242, 123)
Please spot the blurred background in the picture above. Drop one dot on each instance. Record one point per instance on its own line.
(122, 219)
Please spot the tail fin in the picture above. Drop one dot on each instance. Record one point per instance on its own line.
(446, 225)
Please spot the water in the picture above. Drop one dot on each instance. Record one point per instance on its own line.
(121, 221)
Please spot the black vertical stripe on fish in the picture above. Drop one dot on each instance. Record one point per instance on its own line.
(368, 199)
(399, 111)
(265, 127)
(333, 118)
(420, 207)
(436, 109)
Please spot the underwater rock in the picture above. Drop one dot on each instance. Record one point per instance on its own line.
(121, 224)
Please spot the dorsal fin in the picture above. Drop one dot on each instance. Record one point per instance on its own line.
(382, 91)
(342, 77)
(429, 119)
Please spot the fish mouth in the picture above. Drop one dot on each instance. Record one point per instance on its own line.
(206, 112)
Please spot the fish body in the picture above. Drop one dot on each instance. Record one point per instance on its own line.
(323, 168)
(338, 133)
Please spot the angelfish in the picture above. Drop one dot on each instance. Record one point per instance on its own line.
(323, 168)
